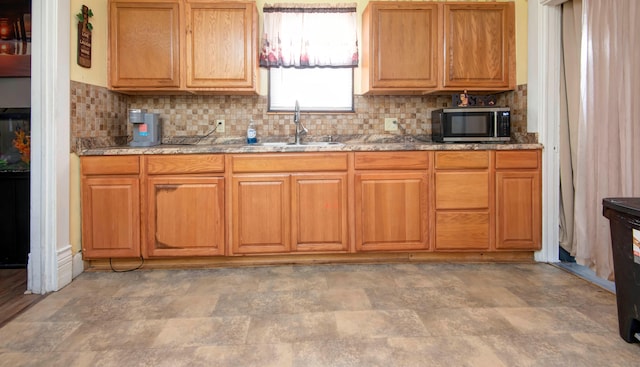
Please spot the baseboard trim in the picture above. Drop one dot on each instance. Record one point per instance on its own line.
(77, 265)
(309, 259)
(65, 266)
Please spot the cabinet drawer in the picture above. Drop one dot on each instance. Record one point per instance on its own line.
(517, 159)
(460, 160)
(184, 163)
(462, 190)
(110, 165)
(392, 160)
(304, 162)
(462, 230)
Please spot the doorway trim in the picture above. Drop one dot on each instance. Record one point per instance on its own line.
(543, 114)
(49, 264)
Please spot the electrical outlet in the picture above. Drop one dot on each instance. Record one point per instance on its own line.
(390, 124)
(220, 126)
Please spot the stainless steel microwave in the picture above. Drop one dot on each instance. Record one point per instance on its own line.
(471, 124)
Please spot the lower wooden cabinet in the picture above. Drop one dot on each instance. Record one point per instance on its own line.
(319, 212)
(392, 211)
(185, 216)
(110, 194)
(184, 202)
(256, 204)
(463, 206)
(261, 213)
(289, 202)
(518, 200)
(391, 197)
(463, 230)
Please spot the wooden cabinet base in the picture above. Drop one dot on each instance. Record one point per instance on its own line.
(314, 259)
(285, 205)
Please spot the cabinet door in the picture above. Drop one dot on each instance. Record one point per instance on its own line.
(185, 216)
(144, 44)
(518, 207)
(400, 48)
(391, 211)
(319, 214)
(479, 46)
(110, 217)
(261, 214)
(221, 43)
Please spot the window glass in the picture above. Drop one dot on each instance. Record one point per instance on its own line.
(315, 89)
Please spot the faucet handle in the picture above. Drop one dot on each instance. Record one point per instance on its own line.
(296, 113)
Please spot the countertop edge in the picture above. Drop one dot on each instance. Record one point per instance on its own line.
(348, 147)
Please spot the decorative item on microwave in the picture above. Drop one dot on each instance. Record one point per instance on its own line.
(465, 99)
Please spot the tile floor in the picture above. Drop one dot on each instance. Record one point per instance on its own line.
(323, 315)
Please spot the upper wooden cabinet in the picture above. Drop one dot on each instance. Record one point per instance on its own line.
(144, 44)
(221, 45)
(400, 46)
(479, 46)
(183, 46)
(428, 47)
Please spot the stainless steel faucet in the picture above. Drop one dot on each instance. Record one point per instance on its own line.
(300, 128)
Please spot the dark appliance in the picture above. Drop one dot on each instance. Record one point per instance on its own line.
(471, 124)
(14, 189)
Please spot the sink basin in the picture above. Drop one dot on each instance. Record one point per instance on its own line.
(274, 144)
(317, 143)
(305, 144)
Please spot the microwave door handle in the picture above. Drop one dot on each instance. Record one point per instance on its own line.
(495, 124)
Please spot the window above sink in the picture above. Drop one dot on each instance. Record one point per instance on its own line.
(308, 61)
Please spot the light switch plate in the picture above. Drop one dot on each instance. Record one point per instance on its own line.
(390, 124)
(220, 126)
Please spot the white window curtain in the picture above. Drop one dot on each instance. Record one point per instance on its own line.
(608, 143)
(298, 35)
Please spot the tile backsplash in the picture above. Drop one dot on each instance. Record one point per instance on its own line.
(99, 116)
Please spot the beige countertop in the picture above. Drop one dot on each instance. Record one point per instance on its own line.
(310, 146)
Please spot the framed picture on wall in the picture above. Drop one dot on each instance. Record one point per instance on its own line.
(15, 38)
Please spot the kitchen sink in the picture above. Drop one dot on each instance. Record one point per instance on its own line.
(305, 144)
(274, 144)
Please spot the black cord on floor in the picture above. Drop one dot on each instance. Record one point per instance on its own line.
(126, 270)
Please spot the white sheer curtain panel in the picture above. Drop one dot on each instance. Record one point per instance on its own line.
(312, 35)
(608, 152)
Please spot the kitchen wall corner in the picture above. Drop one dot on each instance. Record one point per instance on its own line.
(98, 117)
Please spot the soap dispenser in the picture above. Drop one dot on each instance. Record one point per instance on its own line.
(252, 136)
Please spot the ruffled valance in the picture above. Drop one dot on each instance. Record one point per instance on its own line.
(312, 35)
